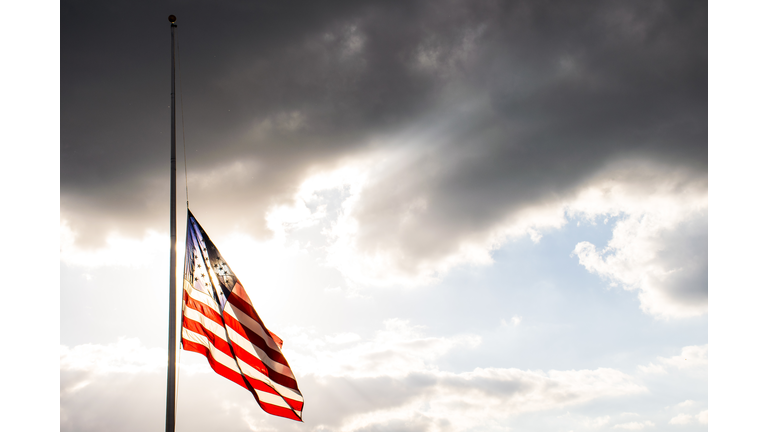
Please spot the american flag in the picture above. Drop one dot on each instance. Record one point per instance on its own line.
(220, 322)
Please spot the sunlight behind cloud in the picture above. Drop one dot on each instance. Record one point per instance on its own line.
(395, 351)
(119, 250)
(398, 365)
(658, 246)
(127, 355)
(400, 358)
(462, 216)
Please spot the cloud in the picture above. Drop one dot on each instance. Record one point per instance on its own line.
(582, 421)
(473, 125)
(691, 357)
(97, 380)
(395, 351)
(703, 417)
(399, 366)
(119, 250)
(653, 368)
(116, 402)
(635, 425)
(659, 249)
(460, 401)
(390, 381)
(681, 419)
(412, 152)
(343, 338)
(127, 355)
(477, 122)
(597, 422)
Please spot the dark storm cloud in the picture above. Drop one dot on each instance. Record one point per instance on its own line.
(553, 91)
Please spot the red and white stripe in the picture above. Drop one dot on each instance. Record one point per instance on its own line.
(240, 348)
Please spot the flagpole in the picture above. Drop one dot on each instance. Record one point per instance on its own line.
(170, 397)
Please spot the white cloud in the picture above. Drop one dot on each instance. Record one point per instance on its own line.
(343, 338)
(283, 219)
(513, 322)
(653, 368)
(659, 245)
(691, 357)
(597, 422)
(583, 421)
(286, 218)
(681, 419)
(703, 417)
(635, 425)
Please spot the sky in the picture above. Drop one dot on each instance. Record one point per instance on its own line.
(459, 216)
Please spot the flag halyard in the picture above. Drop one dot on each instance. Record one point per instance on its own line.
(220, 322)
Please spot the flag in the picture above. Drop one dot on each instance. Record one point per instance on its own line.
(220, 322)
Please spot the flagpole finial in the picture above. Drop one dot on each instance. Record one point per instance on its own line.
(172, 18)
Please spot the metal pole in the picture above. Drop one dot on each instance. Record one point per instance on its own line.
(170, 397)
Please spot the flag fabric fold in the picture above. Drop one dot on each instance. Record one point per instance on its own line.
(220, 322)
